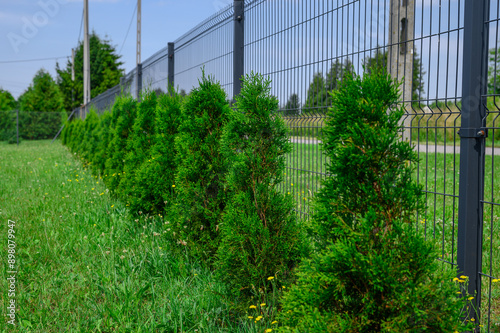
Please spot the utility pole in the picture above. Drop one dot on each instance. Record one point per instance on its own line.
(72, 74)
(400, 62)
(86, 56)
(138, 32)
(138, 85)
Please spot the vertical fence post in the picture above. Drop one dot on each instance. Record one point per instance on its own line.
(472, 146)
(171, 64)
(139, 82)
(17, 126)
(239, 45)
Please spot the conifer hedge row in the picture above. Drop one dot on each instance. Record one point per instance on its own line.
(213, 172)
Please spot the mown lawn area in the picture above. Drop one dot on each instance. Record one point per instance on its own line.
(84, 265)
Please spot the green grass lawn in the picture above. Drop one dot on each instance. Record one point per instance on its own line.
(439, 176)
(85, 266)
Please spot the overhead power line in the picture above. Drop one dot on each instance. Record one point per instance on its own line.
(81, 27)
(128, 30)
(30, 60)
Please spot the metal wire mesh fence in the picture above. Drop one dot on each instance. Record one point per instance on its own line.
(17, 125)
(444, 53)
(209, 46)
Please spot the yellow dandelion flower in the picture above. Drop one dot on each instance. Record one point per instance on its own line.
(263, 304)
(258, 318)
(270, 278)
(269, 330)
(101, 193)
(253, 307)
(112, 206)
(274, 322)
(95, 224)
(495, 280)
(470, 298)
(461, 281)
(455, 279)
(250, 317)
(173, 185)
(464, 277)
(292, 184)
(473, 319)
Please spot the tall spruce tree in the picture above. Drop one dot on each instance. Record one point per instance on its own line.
(105, 71)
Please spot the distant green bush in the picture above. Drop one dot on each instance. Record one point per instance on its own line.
(201, 171)
(103, 134)
(372, 271)
(139, 143)
(156, 175)
(123, 116)
(260, 234)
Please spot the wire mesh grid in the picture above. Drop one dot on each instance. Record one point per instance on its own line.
(208, 46)
(155, 72)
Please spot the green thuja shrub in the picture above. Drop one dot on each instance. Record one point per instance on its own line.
(371, 271)
(260, 233)
(76, 136)
(200, 189)
(156, 176)
(90, 138)
(103, 133)
(123, 116)
(139, 144)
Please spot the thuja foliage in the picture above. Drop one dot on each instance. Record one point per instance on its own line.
(139, 144)
(260, 234)
(371, 271)
(199, 181)
(103, 135)
(156, 176)
(123, 116)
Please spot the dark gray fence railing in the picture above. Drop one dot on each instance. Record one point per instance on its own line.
(444, 53)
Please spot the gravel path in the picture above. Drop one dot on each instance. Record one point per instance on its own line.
(422, 148)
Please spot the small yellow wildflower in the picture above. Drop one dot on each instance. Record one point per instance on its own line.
(464, 277)
(470, 298)
(263, 304)
(274, 322)
(95, 224)
(112, 206)
(269, 330)
(461, 281)
(292, 184)
(455, 279)
(253, 307)
(270, 278)
(495, 280)
(473, 319)
(173, 185)
(101, 193)
(250, 317)
(258, 318)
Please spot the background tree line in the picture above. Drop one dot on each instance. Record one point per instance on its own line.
(318, 98)
(44, 105)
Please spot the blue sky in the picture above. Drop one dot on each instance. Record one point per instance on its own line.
(37, 29)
